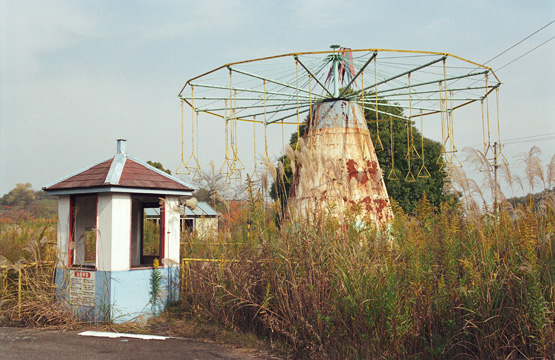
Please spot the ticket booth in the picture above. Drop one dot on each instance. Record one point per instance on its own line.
(117, 262)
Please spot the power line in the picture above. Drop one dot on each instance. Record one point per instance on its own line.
(511, 47)
(526, 38)
(526, 53)
(530, 137)
(524, 139)
(529, 140)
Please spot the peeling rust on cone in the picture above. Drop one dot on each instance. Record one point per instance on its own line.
(337, 166)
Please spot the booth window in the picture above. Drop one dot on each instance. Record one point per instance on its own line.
(147, 230)
(83, 232)
(187, 225)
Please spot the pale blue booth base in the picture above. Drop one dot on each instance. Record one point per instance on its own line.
(121, 296)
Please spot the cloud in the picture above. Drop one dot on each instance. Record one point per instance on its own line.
(30, 28)
(199, 19)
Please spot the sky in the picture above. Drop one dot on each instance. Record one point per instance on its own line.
(77, 75)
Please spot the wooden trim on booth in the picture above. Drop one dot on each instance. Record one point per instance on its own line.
(131, 232)
(162, 230)
(96, 234)
(71, 230)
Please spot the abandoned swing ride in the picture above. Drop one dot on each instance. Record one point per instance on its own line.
(329, 91)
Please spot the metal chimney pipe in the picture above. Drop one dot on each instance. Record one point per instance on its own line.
(121, 146)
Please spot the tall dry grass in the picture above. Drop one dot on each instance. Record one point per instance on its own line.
(28, 292)
(14, 238)
(449, 281)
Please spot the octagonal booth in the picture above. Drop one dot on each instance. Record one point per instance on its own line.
(115, 263)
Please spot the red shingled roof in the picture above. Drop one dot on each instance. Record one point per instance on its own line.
(91, 177)
(134, 175)
(137, 175)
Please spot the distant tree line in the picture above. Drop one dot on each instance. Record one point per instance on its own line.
(23, 203)
(533, 199)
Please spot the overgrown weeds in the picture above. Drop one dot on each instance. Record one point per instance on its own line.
(16, 237)
(28, 293)
(448, 281)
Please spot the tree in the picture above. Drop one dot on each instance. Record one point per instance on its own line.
(23, 203)
(159, 166)
(21, 195)
(405, 193)
(280, 187)
(210, 188)
(425, 174)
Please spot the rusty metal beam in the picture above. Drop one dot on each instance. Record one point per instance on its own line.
(435, 91)
(210, 86)
(435, 81)
(267, 79)
(303, 103)
(285, 117)
(311, 74)
(275, 111)
(400, 75)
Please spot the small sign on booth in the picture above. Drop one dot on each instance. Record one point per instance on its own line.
(81, 288)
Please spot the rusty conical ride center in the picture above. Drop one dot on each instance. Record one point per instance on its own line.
(337, 165)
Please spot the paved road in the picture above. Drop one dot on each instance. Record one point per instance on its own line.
(24, 344)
